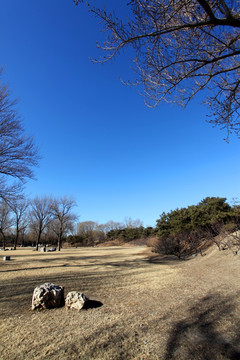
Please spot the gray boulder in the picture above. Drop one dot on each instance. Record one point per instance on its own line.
(75, 300)
(48, 296)
(51, 249)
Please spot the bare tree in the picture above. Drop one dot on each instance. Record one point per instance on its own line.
(19, 208)
(112, 225)
(131, 224)
(63, 218)
(227, 236)
(228, 239)
(91, 232)
(18, 153)
(40, 216)
(182, 47)
(86, 227)
(5, 220)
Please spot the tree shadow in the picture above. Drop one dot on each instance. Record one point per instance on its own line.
(68, 264)
(33, 268)
(164, 259)
(72, 262)
(211, 332)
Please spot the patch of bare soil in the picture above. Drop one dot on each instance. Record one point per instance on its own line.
(154, 307)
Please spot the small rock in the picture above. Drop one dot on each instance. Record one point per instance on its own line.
(48, 296)
(5, 258)
(51, 249)
(75, 300)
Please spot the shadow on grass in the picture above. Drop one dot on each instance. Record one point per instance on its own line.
(164, 260)
(211, 332)
(33, 268)
(73, 262)
(92, 304)
(16, 295)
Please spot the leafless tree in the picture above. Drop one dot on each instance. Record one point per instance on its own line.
(182, 47)
(86, 227)
(92, 233)
(112, 225)
(131, 224)
(228, 240)
(40, 216)
(5, 220)
(86, 230)
(18, 153)
(236, 233)
(227, 236)
(63, 217)
(19, 208)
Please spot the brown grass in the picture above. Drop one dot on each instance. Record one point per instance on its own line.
(153, 307)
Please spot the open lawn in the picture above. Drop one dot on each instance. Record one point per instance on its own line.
(153, 307)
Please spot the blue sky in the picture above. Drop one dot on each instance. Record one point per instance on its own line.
(98, 141)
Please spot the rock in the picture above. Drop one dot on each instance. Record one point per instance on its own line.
(5, 258)
(75, 300)
(52, 249)
(48, 296)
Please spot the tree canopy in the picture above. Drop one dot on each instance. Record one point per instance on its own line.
(183, 231)
(182, 47)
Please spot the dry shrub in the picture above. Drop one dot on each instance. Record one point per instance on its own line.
(153, 243)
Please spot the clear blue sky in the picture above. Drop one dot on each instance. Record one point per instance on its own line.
(99, 142)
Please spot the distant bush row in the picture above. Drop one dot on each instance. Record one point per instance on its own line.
(90, 233)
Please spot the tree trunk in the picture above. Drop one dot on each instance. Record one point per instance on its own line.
(16, 241)
(4, 240)
(60, 239)
(38, 240)
(59, 242)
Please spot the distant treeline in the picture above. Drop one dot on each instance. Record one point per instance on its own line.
(180, 232)
(95, 234)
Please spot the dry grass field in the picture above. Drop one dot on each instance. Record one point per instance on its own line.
(153, 307)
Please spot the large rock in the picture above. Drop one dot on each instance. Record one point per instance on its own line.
(75, 300)
(47, 296)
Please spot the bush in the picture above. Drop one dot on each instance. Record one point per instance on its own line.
(186, 231)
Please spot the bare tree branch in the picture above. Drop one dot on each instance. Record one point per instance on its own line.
(63, 217)
(18, 153)
(176, 43)
(40, 216)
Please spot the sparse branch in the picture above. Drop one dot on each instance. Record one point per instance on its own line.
(5, 220)
(176, 44)
(208, 9)
(63, 217)
(40, 216)
(19, 209)
(18, 154)
(224, 8)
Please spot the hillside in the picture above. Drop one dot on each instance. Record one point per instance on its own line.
(153, 307)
